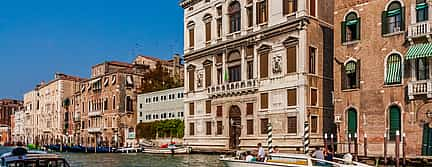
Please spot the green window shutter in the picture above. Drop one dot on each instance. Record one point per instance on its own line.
(384, 23)
(352, 121)
(358, 29)
(425, 143)
(358, 76)
(343, 31)
(403, 19)
(395, 123)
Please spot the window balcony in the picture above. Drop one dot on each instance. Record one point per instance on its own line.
(416, 88)
(420, 29)
(94, 130)
(95, 113)
(233, 88)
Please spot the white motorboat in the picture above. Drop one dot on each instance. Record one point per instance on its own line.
(21, 157)
(128, 150)
(289, 160)
(172, 149)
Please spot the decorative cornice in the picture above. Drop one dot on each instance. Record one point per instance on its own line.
(188, 3)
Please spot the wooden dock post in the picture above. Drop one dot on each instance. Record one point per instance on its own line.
(332, 144)
(404, 149)
(385, 148)
(325, 142)
(356, 146)
(397, 148)
(349, 143)
(365, 145)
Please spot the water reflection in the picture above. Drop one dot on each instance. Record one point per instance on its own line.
(138, 160)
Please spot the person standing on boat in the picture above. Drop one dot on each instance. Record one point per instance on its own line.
(261, 153)
(318, 154)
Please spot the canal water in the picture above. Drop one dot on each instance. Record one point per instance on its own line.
(136, 160)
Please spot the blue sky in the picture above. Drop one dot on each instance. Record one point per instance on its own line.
(39, 38)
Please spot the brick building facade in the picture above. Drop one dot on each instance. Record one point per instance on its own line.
(7, 108)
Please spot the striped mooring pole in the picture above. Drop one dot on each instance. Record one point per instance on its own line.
(306, 141)
(270, 137)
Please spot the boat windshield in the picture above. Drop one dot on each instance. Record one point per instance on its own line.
(38, 163)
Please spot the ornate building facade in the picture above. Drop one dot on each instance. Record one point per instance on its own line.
(105, 106)
(254, 63)
(45, 110)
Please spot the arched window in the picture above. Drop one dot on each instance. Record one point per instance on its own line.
(394, 121)
(350, 75)
(234, 11)
(393, 19)
(351, 28)
(422, 10)
(352, 121)
(393, 70)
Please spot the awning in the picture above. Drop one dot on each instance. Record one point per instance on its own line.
(419, 51)
(394, 70)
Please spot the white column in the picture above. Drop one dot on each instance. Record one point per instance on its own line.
(255, 63)
(302, 82)
(214, 71)
(243, 64)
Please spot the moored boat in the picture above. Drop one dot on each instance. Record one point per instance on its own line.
(289, 160)
(169, 150)
(22, 157)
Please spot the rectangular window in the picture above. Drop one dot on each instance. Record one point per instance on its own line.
(219, 111)
(191, 80)
(234, 73)
(191, 37)
(208, 128)
(250, 70)
(219, 128)
(219, 27)
(289, 6)
(249, 109)
(264, 100)
(264, 65)
(292, 97)
(312, 7)
(292, 59)
(264, 124)
(191, 129)
(262, 12)
(314, 96)
(208, 106)
(129, 103)
(106, 104)
(114, 103)
(422, 69)
(314, 124)
(191, 109)
(250, 128)
(208, 31)
(249, 11)
(312, 60)
(219, 76)
(208, 75)
(292, 124)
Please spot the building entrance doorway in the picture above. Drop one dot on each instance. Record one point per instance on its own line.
(235, 127)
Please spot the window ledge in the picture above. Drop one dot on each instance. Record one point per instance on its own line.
(393, 34)
(393, 85)
(350, 90)
(263, 24)
(351, 42)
